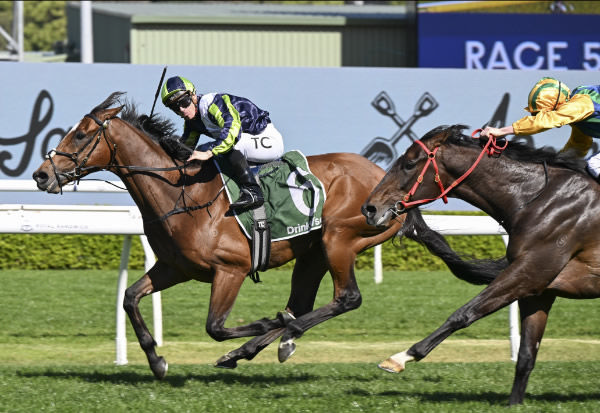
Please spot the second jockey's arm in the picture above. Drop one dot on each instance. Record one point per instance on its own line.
(497, 132)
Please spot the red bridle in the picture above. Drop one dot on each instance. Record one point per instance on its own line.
(491, 148)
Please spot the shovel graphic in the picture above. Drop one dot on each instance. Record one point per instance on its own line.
(382, 151)
(384, 105)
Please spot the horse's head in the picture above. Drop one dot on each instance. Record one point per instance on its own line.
(86, 148)
(415, 178)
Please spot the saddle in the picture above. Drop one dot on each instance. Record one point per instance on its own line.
(294, 200)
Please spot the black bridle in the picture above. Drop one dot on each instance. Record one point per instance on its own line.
(80, 167)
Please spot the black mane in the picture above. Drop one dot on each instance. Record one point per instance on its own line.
(515, 150)
(156, 127)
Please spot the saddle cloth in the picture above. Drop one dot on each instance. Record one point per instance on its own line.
(294, 197)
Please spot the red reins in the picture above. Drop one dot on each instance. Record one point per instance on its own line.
(491, 148)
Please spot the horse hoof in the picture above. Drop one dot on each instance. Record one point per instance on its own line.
(160, 368)
(396, 363)
(391, 366)
(226, 362)
(286, 349)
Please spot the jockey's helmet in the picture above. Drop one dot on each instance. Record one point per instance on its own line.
(175, 88)
(547, 94)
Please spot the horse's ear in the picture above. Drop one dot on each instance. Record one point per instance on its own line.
(440, 138)
(111, 113)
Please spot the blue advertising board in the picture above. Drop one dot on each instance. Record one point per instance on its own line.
(377, 112)
(509, 41)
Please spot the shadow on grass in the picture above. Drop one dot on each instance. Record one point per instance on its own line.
(492, 398)
(175, 380)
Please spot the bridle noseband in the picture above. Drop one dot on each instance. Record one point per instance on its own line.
(80, 167)
(491, 148)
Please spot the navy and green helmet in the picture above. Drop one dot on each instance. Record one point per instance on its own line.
(174, 88)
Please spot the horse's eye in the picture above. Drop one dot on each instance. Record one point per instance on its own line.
(408, 165)
(79, 135)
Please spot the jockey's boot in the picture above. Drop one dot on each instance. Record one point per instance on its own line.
(251, 195)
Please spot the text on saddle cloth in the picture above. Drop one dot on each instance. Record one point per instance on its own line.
(294, 197)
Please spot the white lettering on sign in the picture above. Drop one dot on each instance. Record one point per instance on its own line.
(590, 54)
(474, 52)
(498, 57)
(554, 56)
(523, 48)
(528, 55)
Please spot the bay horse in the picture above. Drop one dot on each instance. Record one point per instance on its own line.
(204, 241)
(548, 205)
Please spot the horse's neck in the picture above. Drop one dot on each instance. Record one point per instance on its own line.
(500, 186)
(154, 191)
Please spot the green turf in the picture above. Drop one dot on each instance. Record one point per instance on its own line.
(357, 387)
(57, 351)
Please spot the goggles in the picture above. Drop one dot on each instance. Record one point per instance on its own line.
(182, 102)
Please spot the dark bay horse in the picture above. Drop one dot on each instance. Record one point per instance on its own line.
(205, 243)
(549, 206)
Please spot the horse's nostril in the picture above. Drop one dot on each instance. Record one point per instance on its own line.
(40, 176)
(368, 210)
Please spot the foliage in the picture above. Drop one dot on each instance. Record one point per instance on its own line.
(45, 23)
(55, 251)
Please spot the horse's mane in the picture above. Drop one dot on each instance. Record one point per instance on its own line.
(160, 129)
(515, 150)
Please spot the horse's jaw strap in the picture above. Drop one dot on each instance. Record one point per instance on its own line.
(491, 148)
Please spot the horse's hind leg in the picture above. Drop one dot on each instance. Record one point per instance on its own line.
(534, 315)
(306, 278)
(346, 297)
(157, 279)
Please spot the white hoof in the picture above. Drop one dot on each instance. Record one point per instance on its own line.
(396, 363)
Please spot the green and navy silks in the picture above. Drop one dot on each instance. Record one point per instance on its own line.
(294, 197)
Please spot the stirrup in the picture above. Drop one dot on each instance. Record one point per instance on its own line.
(247, 200)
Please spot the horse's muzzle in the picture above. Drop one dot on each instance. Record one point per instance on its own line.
(45, 182)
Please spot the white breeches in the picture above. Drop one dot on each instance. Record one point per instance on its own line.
(264, 147)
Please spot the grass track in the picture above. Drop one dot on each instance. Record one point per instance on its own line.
(57, 351)
(329, 387)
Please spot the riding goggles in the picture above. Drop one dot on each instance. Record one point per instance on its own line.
(183, 102)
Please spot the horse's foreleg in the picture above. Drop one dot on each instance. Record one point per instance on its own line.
(534, 315)
(249, 350)
(506, 288)
(155, 280)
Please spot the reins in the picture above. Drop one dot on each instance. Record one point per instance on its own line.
(491, 148)
(77, 173)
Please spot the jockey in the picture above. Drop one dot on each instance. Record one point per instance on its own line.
(242, 132)
(552, 105)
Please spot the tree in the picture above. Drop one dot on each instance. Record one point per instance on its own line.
(45, 23)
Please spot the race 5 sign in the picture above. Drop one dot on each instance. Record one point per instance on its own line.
(509, 41)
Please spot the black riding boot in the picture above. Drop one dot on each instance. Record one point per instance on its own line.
(251, 195)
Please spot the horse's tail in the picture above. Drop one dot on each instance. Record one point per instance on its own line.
(474, 271)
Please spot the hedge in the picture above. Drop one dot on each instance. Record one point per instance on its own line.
(56, 251)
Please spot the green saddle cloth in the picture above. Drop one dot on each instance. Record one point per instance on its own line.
(294, 197)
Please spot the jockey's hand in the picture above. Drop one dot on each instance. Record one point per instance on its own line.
(200, 156)
(496, 132)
